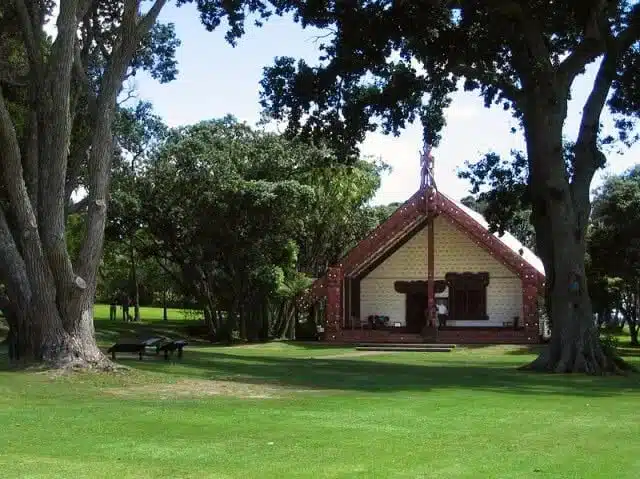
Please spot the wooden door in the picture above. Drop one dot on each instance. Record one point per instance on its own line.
(416, 312)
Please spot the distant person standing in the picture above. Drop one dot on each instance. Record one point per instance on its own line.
(442, 313)
(113, 308)
(126, 302)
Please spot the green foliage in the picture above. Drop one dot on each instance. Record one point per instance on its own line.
(214, 202)
(386, 63)
(500, 193)
(614, 248)
(75, 232)
(239, 219)
(338, 215)
(610, 343)
(615, 244)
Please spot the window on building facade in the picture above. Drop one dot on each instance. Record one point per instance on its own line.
(467, 296)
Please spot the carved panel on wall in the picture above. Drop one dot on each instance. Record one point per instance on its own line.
(412, 287)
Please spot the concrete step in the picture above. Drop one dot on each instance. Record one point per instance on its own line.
(414, 349)
(405, 345)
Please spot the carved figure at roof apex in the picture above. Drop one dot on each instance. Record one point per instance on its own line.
(427, 179)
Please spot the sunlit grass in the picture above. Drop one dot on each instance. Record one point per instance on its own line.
(307, 410)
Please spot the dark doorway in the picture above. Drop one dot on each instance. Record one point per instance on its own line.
(416, 312)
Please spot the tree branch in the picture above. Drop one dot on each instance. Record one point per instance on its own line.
(54, 104)
(13, 271)
(9, 76)
(529, 26)
(102, 140)
(588, 157)
(80, 71)
(11, 163)
(595, 38)
(95, 28)
(83, 7)
(30, 160)
(149, 19)
(509, 90)
(590, 124)
(27, 226)
(78, 206)
(30, 37)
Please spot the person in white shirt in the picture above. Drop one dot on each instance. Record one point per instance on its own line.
(442, 313)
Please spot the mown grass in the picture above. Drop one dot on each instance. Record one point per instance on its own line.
(147, 313)
(306, 410)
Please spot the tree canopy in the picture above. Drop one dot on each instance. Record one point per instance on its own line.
(614, 246)
(243, 220)
(385, 63)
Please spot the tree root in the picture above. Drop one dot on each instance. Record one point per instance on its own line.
(68, 359)
(595, 361)
(62, 367)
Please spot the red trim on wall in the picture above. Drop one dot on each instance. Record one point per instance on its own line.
(412, 210)
(385, 233)
(333, 318)
(415, 208)
(469, 225)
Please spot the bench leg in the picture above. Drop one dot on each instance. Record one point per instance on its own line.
(166, 355)
(140, 354)
(180, 352)
(113, 355)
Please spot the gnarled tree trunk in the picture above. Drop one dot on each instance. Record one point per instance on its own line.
(561, 209)
(51, 298)
(59, 342)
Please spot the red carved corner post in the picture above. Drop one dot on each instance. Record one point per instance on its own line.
(334, 303)
(431, 303)
(530, 317)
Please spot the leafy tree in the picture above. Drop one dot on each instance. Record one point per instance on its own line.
(339, 215)
(216, 202)
(56, 117)
(614, 243)
(385, 63)
(138, 131)
(283, 211)
(500, 194)
(382, 212)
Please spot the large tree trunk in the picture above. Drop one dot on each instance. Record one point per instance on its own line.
(42, 333)
(58, 346)
(560, 212)
(51, 298)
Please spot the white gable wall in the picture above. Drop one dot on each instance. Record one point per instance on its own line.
(454, 252)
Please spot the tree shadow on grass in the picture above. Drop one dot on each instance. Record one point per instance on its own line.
(113, 331)
(629, 351)
(527, 349)
(387, 376)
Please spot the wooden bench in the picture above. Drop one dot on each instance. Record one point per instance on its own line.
(171, 347)
(138, 346)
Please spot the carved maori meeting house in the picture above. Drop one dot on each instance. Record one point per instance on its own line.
(433, 272)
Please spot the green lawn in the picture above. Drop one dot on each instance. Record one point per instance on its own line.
(294, 410)
(101, 311)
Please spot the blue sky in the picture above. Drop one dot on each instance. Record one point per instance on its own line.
(216, 79)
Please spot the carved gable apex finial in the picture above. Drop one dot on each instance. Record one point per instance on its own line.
(427, 169)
